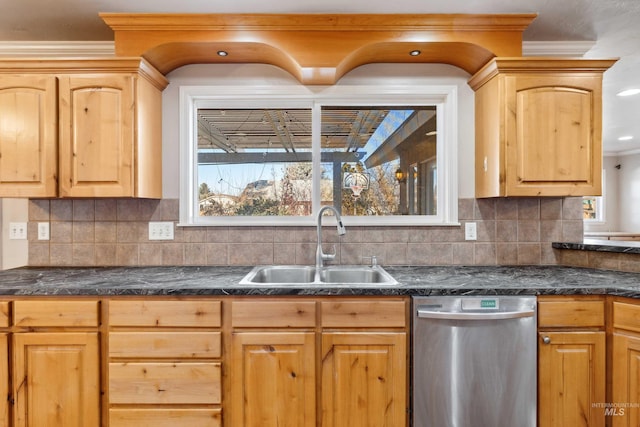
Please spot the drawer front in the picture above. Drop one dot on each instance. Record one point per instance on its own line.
(164, 383)
(571, 313)
(4, 314)
(165, 417)
(56, 313)
(626, 316)
(165, 344)
(368, 313)
(278, 314)
(195, 314)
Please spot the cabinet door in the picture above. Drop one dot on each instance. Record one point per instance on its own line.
(28, 140)
(273, 379)
(56, 380)
(571, 379)
(4, 380)
(554, 141)
(626, 380)
(364, 379)
(96, 136)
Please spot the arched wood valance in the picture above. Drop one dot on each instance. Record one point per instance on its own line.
(317, 49)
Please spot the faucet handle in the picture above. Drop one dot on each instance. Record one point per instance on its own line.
(373, 258)
(329, 257)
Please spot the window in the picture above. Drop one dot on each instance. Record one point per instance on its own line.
(379, 157)
(593, 206)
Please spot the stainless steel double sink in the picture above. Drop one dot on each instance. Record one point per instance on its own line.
(297, 275)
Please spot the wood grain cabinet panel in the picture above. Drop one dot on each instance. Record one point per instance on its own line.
(28, 136)
(56, 379)
(140, 417)
(5, 414)
(97, 133)
(571, 379)
(273, 379)
(567, 313)
(162, 345)
(364, 379)
(169, 313)
(369, 313)
(89, 128)
(625, 380)
(164, 383)
(539, 127)
(56, 313)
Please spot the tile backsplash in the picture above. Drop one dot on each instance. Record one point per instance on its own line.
(114, 232)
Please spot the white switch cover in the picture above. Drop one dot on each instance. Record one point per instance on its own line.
(18, 230)
(470, 232)
(162, 230)
(43, 231)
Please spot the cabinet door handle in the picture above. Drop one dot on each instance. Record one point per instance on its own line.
(546, 340)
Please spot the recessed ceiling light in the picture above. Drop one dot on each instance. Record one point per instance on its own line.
(629, 92)
(431, 133)
(415, 52)
(223, 53)
(625, 138)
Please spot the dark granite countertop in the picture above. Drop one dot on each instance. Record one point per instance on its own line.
(190, 281)
(618, 246)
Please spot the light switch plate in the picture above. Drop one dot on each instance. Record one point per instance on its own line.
(161, 230)
(17, 230)
(43, 231)
(470, 231)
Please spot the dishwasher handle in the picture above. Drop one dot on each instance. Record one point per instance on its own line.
(496, 315)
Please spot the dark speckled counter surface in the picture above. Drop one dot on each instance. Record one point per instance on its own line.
(190, 281)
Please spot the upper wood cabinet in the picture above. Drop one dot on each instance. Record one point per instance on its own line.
(73, 128)
(28, 138)
(539, 127)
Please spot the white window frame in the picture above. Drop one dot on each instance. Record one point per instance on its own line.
(444, 97)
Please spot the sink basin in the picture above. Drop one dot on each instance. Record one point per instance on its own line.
(291, 275)
(356, 274)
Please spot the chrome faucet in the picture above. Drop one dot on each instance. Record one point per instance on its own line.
(321, 256)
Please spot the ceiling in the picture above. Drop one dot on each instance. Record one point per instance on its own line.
(613, 26)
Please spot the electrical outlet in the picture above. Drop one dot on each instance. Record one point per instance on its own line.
(470, 231)
(161, 230)
(43, 231)
(18, 230)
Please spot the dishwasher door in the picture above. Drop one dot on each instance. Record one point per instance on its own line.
(474, 361)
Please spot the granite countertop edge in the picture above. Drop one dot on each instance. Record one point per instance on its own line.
(595, 245)
(413, 280)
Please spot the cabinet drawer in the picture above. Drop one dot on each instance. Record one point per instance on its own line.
(164, 383)
(56, 313)
(197, 314)
(367, 313)
(4, 314)
(165, 344)
(165, 417)
(281, 314)
(626, 316)
(571, 313)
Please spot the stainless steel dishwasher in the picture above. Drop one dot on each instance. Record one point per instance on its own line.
(474, 361)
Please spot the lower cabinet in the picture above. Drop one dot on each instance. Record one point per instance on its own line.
(571, 362)
(273, 376)
(165, 364)
(626, 366)
(357, 377)
(363, 379)
(56, 379)
(56, 364)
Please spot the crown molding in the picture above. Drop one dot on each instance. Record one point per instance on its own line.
(623, 153)
(56, 49)
(556, 48)
(107, 48)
